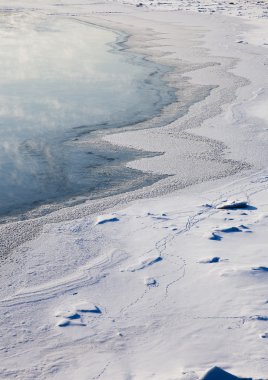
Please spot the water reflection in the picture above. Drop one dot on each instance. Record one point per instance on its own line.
(59, 80)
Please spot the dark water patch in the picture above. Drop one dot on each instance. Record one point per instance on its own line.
(61, 80)
(70, 85)
(91, 171)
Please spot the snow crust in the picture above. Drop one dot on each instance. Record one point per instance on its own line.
(169, 286)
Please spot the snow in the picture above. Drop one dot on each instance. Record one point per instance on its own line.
(157, 316)
(232, 204)
(210, 261)
(219, 374)
(247, 9)
(106, 219)
(74, 316)
(143, 264)
(170, 281)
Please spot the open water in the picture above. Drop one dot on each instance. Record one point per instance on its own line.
(61, 83)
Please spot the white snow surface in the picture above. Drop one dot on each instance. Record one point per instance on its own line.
(173, 312)
(165, 287)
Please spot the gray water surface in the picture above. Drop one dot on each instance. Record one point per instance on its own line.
(60, 80)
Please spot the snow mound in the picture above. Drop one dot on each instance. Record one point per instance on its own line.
(215, 236)
(217, 373)
(261, 268)
(150, 282)
(143, 264)
(73, 316)
(106, 219)
(211, 260)
(229, 230)
(86, 307)
(232, 204)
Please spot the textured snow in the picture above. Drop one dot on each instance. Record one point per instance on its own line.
(164, 287)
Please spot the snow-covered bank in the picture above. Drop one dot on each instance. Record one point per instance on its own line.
(139, 293)
(168, 287)
(248, 9)
(226, 53)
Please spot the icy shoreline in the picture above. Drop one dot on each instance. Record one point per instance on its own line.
(51, 165)
(167, 287)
